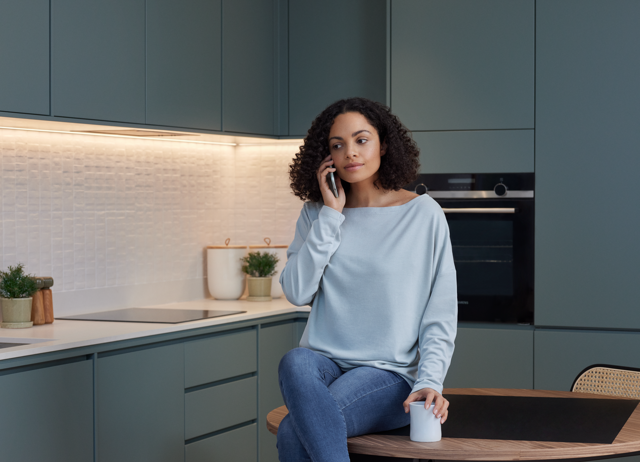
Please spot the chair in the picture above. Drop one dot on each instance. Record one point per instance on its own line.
(604, 379)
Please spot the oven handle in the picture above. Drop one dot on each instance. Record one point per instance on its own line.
(480, 210)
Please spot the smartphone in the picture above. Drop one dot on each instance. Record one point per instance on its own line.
(332, 184)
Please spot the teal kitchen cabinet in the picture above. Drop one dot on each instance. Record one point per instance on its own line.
(98, 59)
(492, 356)
(183, 63)
(275, 341)
(337, 49)
(587, 164)
(561, 354)
(249, 67)
(47, 412)
(476, 151)
(140, 404)
(462, 64)
(24, 54)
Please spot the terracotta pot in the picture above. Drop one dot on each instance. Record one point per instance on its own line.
(259, 289)
(16, 313)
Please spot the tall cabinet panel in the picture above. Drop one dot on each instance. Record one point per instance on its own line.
(98, 59)
(184, 74)
(337, 49)
(24, 54)
(249, 67)
(587, 163)
(275, 342)
(462, 64)
(47, 413)
(140, 405)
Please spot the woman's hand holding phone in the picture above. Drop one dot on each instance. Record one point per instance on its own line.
(330, 200)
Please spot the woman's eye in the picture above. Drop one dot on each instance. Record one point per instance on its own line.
(336, 146)
(362, 140)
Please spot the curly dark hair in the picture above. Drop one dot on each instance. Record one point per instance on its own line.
(398, 167)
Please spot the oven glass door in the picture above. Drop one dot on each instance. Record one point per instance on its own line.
(492, 253)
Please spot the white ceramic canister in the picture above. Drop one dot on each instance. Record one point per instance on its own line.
(281, 252)
(224, 271)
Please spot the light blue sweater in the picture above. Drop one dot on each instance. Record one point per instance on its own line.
(382, 287)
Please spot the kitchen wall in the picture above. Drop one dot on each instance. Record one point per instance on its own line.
(120, 221)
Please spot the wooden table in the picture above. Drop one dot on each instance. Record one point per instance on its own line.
(626, 443)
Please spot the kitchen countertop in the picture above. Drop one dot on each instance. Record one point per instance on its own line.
(67, 334)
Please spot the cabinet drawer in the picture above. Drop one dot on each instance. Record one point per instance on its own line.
(235, 446)
(219, 407)
(219, 358)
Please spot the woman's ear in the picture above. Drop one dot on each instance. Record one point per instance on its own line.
(383, 148)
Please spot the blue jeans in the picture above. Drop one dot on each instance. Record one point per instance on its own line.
(327, 405)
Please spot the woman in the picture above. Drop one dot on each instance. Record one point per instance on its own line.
(375, 264)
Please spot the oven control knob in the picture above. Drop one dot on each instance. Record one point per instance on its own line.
(500, 189)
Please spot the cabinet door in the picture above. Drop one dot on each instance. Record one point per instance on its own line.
(184, 63)
(47, 413)
(337, 49)
(587, 138)
(561, 354)
(492, 357)
(24, 54)
(275, 342)
(140, 405)
(98, 59)
(462, 64)
(249, 60)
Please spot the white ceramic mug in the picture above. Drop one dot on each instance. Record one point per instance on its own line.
(425, 425)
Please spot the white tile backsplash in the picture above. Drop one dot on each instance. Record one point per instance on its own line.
(114, 213)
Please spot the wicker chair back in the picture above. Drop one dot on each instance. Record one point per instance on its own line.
(605, 379)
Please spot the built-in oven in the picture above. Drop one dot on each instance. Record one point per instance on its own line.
(491, 223)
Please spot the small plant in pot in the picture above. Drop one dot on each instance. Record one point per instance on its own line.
(259, 267)
(16, 290)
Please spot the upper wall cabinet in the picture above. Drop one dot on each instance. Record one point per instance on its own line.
(184, 74)
(337, 49)
(249, 86)
(24, 56)
(98, 59)
(462, 64)
(587, 164)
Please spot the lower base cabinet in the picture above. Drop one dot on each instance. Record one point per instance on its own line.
(47, 413)
(195, 398)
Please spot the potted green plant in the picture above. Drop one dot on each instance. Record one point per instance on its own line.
(259, 268)
(16, 290)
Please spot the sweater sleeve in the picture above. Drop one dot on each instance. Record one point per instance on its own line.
(439, 322)
(309, 253)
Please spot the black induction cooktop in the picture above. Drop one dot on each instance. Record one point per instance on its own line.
(154, 315)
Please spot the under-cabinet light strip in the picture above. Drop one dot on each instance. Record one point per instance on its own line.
(119, 136)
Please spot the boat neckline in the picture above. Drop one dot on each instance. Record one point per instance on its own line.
(391, 208)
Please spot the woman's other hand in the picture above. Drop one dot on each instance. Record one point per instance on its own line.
(428, 395)
(329, 199)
